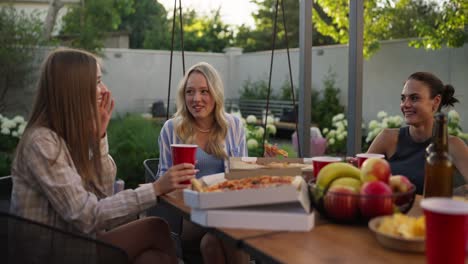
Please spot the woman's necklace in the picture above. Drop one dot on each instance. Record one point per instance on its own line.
(203, 130)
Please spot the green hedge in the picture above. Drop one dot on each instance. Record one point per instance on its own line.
(132, 139)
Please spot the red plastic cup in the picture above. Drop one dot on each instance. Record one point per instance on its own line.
(183, 153)
(361, 157)
(446, 230)
(319, 162)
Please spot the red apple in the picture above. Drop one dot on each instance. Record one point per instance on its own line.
(342, 203)
(400, 184)
(375, 169)
(375, 199)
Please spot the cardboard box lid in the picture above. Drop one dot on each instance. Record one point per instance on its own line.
(246, 197)
(286, 216)
(254, 163)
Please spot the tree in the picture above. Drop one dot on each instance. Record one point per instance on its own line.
(49, 23)
(203, 33)
(88, 23)
(148, 25)
(260, 38)
(431, 24)
(21, 34)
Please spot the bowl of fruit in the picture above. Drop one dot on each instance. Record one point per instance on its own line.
(345, 194)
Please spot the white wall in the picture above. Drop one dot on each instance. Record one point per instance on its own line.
(138, 77)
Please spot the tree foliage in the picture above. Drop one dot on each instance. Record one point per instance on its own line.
(260, 37)
(148, 25)
(88, 23)
(432, 25)
(203, 32)
(20, 35)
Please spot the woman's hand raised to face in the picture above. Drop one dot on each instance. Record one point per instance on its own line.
(105, 108)
(174, 178)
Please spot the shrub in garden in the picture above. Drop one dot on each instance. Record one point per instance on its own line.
(254, 134)
(132, 139)
(11, 131)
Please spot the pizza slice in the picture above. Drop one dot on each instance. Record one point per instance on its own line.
(256, 182)
(274, 149)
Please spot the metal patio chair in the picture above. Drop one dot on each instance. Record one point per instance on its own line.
(160, 210)
(24, 241)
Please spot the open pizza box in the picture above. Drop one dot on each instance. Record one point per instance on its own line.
(290, 193)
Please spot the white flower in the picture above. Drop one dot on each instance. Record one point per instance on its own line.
(18, 119)
(5, 131)
(381, 114)
(270, 119)
(259, 132)
(14, 134)
(243, 121)
(373, 124)
(252, 143)
(331, 141)
(332, 133)
(251, 119)
(8, 123)
(271, 129)
(340, 137)
(325, 131)
(21, 129)
(452, 114)
(338, 117)
(397, 120)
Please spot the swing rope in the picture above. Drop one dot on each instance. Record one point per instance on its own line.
(172, 51)
(275, 29)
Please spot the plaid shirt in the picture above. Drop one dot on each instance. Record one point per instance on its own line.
(54, 194)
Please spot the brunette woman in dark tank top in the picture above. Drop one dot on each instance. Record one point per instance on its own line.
(422, 96)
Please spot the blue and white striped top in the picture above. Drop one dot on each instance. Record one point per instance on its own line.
(234, 146)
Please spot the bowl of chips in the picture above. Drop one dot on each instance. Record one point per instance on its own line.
(400, 232)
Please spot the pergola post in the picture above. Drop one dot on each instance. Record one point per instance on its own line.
(305, 76)
(355, 71)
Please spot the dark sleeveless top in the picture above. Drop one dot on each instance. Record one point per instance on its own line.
(409, 158)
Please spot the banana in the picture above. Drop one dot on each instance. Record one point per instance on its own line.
(336, 170)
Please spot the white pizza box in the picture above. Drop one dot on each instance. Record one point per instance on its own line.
(248, 197)
(286, 217)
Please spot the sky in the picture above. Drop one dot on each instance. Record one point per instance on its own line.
(233, 12)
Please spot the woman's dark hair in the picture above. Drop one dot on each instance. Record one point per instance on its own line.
(436, 87)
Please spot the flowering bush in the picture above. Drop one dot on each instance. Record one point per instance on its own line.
(383, 121)
(10, 132)
(254, 134)
(337, 135)
(454, 127)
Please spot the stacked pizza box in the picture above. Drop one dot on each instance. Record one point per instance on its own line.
(283, 206)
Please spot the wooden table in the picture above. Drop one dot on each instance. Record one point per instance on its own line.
(325, 243)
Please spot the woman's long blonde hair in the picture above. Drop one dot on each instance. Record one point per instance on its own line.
(66, 103)
(185, 122)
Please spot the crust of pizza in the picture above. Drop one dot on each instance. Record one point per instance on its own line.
(197, 185)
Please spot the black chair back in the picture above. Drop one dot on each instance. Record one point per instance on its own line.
(5, 193)
(160, 210)
(26, 241)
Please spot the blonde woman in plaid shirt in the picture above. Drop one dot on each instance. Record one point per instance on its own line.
(63, 175)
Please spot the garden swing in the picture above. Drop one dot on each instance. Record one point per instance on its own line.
(275, 26)
(151, 165)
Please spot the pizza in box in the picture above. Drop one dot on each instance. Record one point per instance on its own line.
(256, 182)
